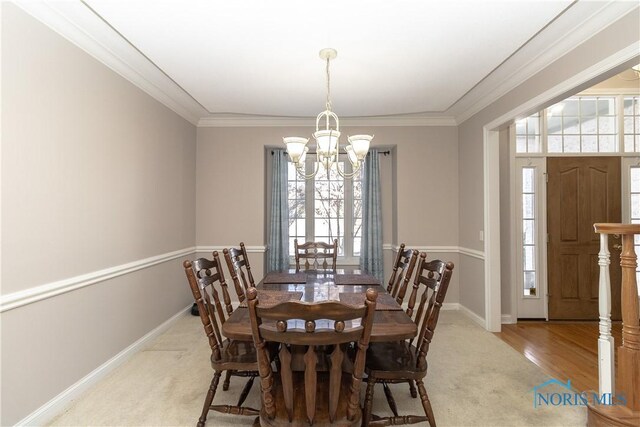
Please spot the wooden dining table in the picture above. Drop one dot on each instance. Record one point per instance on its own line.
(349, 286)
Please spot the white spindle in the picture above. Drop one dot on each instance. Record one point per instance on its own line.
(605, 341)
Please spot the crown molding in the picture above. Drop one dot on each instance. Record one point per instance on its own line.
(612, 91)
(81, 26)
(240, 120)
(579, 23)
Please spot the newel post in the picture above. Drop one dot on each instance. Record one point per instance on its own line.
(629, 352)
(606, 365)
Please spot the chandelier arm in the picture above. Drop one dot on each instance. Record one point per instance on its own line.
(350, 175)
(309, 176)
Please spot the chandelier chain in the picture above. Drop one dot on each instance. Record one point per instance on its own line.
(328, 104)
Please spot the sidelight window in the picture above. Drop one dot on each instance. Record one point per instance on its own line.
(529, 231)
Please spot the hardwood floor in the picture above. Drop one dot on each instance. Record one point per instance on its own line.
(564, 350)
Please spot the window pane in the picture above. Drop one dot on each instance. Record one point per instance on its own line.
(527, 231)
(527, 180)
(628, 124)
(590, 144)
(527, 206)
(554, 125)
(533, 144)
(529, 283)
(635, 180)
(554, 144)
(607, 124)
(521, 144)
(533, 125)
(570, 125)
(587, 107)
(628, 143)
(521, 127)
(589, 125)
(606, 106)
(635, 206)
(607, 143)
(356, 246)
(357, 227)
(628, 106)
(571, 144)
(529, 261)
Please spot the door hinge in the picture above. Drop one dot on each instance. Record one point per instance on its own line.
(547, 237)
(546, 177)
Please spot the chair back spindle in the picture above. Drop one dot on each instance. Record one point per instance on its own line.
(240, 269)
(316, 255)
(293, 324)
(401, 274)
(204, 276)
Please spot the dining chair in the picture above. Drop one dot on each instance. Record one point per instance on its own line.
(396, 362)
(240, 269)
(290, 397)
(401, 274)
(238, 358)
(319, 253)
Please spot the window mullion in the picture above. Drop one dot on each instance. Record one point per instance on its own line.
(308, 203)
(348, 213)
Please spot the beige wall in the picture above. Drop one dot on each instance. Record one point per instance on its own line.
(230, 206)
(612, 39)
(95, 174)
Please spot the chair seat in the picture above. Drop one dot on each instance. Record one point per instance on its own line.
(395, 360)
(322, 404)
(240, 355)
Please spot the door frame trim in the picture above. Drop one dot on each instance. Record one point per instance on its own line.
(491, 177)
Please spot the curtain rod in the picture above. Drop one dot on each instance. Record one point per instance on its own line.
(384, 153)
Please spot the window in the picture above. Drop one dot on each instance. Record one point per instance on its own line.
(631, 123)
(326, 207)
(581, 124)
(635, 209)
(529, 230)
(528, 134)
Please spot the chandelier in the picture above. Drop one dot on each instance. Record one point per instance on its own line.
(328, 139)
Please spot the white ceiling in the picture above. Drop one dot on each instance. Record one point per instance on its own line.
(260, 57)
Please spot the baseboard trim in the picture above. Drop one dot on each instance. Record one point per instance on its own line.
(49, 290)
(473, 316)
(59, 403)
(507, 319)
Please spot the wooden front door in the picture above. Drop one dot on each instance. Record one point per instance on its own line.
(580, 192)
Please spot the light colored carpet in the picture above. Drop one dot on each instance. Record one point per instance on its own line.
(474, 380)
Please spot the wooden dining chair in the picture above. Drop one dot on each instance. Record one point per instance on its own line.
(401, 274)
(395, 362)
(238, 358)
(316, 255)
(240, 269)
(290, 397)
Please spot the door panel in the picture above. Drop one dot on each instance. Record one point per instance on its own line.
(580, 192)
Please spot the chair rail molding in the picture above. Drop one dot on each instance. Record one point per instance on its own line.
(474, 253)
(219, 248)
(38, 293)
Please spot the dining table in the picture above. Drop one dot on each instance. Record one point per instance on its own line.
(390, 323)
